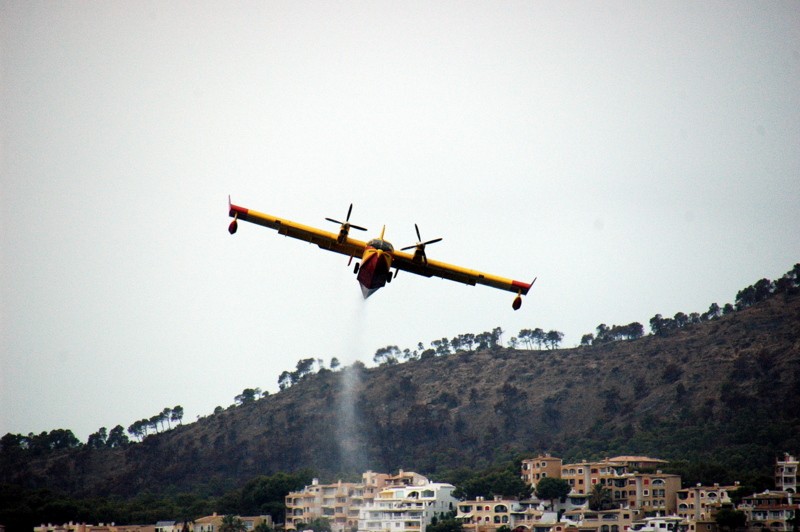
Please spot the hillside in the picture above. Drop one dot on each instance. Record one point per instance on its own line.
(725, 391)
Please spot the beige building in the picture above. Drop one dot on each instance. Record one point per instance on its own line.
(786, 474)
(339, 503)
(481, 515)
(208, 523)
(535, 469)
(654, 493)
(639, 463)
(84, 527)
(769, 510)
(211, 523)
(701, 503)
(405, 501)
(618, 520)
(651, 492)
(583, 476)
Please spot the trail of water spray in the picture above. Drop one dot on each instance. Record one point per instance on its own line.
(351, 446)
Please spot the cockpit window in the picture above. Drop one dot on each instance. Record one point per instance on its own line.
(383, 245)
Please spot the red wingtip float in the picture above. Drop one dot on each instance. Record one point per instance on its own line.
(378, 256)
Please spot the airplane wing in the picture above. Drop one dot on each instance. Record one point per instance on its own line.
(324, 239)
(430, 268)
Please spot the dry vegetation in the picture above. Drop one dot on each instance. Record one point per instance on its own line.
(725, 391)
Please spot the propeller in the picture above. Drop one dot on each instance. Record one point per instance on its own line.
(346, 224)
(419, 247)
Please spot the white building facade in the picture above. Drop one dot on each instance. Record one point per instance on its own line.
(407, 508)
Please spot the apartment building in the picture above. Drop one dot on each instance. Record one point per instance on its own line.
(481, 515)
(212, 523)
(340, 503)
(654, 492)
(584, 476)
(769, 510)
(407, 503)
(535, 469)
(617, 520)
(406, 478)
(530, 515)
(84, 527)
(304, 505)
(786, 473)
(209, 523)
(484, 515)
(639, 463)
(701, 503)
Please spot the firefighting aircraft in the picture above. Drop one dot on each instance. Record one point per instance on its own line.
(378, 256)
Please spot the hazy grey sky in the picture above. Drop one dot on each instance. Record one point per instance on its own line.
(638, 157)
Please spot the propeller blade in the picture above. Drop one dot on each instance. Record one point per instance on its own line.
(346, 225)
(420, 245)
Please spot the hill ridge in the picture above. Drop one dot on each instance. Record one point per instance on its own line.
(725, 391)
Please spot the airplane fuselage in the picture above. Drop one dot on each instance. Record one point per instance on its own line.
(376, 265)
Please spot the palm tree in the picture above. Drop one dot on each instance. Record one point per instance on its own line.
(232, 523)
(600, 498)
(262, 527)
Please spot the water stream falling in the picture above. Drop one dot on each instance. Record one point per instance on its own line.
(349, 432)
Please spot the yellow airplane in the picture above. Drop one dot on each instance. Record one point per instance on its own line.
(378, 256)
